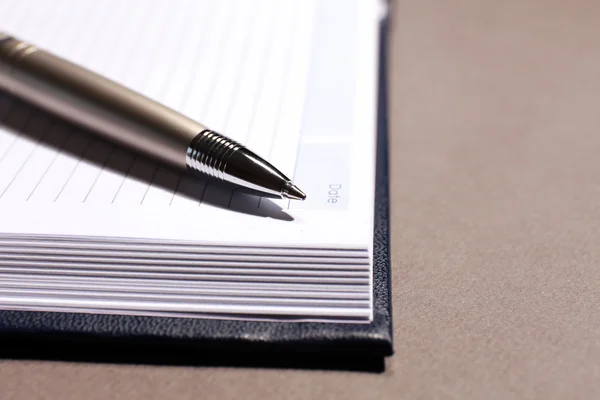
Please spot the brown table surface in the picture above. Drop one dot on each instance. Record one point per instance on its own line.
(495, 156)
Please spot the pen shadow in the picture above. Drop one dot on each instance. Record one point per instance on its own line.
(49, 130)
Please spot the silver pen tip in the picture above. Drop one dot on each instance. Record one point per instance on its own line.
(292, 192)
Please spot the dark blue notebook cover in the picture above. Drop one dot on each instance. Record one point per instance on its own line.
(20, 332)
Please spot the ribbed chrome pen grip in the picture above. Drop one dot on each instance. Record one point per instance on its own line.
(209, 153)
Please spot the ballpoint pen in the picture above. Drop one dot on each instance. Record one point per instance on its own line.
(119, 114)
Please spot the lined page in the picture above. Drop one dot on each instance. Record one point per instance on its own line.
(292, 80)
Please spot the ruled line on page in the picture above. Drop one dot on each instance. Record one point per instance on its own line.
(152, 170)
(209, 93)
(28, 154)
(93, 52)
(158, 87)
(280, 93)
(67, 42)
(178, 92)
(127, 48)
(100, 60)
(64, 43)
(127, 180)
(219, 194)
(57, 152)
(149, 88)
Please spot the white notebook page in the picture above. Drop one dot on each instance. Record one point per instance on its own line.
(244, 70)
(295, 81)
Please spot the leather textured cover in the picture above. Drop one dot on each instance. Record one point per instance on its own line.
(27, 329)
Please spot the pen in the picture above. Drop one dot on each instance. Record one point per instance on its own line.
(133, 120)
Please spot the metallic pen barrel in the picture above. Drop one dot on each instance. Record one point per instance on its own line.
(132, 120)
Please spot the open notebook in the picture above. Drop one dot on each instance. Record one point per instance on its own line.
(87, 227)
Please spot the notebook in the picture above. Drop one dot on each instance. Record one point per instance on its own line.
(92, 233)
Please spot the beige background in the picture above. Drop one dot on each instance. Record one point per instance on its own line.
(495, 220)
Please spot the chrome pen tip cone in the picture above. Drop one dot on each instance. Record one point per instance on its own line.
(292, 192)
